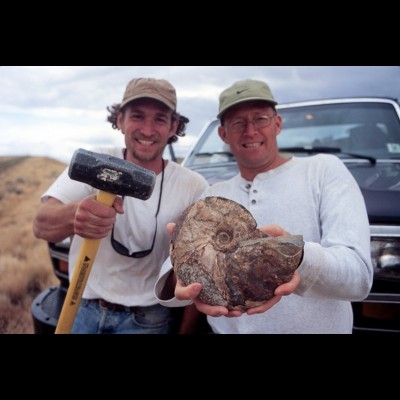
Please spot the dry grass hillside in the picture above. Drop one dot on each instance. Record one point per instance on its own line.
(25, 267)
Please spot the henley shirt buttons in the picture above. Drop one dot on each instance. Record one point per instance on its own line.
(253, 202)
(248, 186)
(255, 191)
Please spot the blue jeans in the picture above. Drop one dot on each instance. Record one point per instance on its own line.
(93, 318)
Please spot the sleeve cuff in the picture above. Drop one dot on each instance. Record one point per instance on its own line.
(163, 297)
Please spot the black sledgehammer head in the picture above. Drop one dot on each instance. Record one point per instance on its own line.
(111, 174)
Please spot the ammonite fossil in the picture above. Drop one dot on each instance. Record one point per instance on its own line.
(216, 243)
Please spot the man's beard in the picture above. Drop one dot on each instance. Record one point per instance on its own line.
(144, 158)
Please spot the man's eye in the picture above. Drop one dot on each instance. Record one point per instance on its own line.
(161, 120)
(238, 123)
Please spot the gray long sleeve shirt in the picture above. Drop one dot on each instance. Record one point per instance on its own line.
(318, 198)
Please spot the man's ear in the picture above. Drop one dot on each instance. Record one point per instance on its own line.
(222, 134)
(119, 120)
(174, 128)
(278, 124)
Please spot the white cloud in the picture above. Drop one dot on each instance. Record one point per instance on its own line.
(54, 110)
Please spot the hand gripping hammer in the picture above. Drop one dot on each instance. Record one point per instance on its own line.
(112, 176)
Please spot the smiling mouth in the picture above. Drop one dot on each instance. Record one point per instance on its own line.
(252, 145)
(145, 142)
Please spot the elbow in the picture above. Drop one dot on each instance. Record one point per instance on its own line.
(364, 288)
(42, 230)
(361, 288)
(37, 229)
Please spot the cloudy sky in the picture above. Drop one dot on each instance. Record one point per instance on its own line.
(52, 111)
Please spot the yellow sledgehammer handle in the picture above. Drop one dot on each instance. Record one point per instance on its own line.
(81, 274)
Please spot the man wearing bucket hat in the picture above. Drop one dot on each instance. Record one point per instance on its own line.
(312, 196)
(119, 297)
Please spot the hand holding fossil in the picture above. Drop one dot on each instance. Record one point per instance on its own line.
(216, 243)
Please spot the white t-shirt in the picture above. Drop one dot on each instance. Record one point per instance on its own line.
(125, 280)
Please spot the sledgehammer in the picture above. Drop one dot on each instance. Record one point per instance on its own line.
(112, 176)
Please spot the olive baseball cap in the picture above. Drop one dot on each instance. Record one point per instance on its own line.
(242, 91)
(158, 89)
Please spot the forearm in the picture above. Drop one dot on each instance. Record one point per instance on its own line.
(336, 273)
(54, 220)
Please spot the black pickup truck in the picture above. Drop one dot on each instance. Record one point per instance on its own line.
(365, 134)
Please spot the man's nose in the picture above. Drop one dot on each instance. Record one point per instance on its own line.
(147, 126)
(250, 127)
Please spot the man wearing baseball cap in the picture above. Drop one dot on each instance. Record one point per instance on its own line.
(316, 197)
(119, 297)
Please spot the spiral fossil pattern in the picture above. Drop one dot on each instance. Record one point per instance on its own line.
(216, 242)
